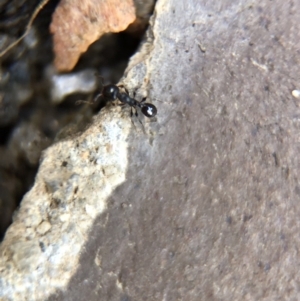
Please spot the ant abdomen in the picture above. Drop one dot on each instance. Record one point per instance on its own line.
(149, 110)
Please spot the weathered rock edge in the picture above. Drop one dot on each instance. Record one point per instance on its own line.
(41, 248)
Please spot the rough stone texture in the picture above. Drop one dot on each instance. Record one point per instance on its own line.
(210, 208)
(41, 249)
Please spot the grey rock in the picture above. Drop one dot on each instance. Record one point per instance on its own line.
(205, 205)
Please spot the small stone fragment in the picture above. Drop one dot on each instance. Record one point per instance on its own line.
(63, 85)
(43, 227)
(296, 93)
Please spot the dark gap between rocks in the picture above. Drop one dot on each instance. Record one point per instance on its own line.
(29, 119)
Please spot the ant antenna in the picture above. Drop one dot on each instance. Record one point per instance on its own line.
(79, 102)
(89, 101)
(100, 77)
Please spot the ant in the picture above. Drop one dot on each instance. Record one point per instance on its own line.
(112, 92)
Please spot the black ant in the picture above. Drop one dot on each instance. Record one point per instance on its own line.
(112, 92)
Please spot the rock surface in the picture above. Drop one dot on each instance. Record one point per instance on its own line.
(207, 203)
(77, 24)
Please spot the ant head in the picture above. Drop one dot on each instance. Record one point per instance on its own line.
(149, 110)
(110, 92)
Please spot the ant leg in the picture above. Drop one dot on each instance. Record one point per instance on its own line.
(118, 103)
(135, 92)
(97, 97)
(143, 100)
(122, 87)
(100, 77)
(137, 116)
(131, 114)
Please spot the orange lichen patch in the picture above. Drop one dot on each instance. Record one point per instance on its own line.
(76, 24)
